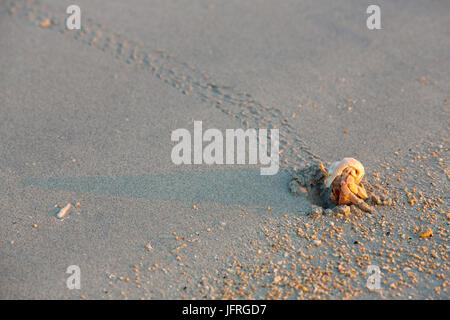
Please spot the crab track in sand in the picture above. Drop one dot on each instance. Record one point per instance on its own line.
(180, 75)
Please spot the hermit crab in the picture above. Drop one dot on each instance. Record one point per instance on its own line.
(344, 178)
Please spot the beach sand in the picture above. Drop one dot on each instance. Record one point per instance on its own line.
(87, 118)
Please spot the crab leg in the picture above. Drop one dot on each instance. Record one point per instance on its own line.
(345, 192)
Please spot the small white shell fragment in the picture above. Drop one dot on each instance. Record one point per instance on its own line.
(337, 167)
(64, 211)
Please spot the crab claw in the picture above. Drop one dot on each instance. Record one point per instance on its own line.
(338, 167)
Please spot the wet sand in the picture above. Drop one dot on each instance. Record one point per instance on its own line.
(87, 117)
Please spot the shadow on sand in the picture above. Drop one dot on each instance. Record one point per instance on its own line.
(227, 187)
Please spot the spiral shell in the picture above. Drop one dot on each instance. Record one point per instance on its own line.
(338, 167)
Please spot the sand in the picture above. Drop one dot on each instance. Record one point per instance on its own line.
(87, 117)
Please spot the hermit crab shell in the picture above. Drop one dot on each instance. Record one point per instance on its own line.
(338, 167)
